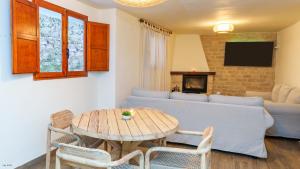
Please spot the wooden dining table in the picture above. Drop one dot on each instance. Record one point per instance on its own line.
(125, 135)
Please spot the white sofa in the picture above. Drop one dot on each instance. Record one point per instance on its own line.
(240, 123)
(283, 103)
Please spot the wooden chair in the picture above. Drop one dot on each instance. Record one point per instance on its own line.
(60, 123)
(94, 158)
(176, 158)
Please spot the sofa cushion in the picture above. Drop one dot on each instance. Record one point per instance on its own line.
(189, 96)
(264, 95)
(283, 93)
(294, 96)
(247, 101)
(150, 93)
(275, 92)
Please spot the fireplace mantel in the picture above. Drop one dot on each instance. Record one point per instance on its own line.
(192, 73)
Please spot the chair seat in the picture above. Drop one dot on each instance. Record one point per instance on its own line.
(167, 160)
(126, 166)
(67, 139)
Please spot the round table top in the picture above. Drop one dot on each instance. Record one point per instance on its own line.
(145, 124)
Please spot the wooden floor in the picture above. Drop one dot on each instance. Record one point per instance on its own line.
(282, 154)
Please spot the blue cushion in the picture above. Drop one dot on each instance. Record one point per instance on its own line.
(150, 93)
(189, 96)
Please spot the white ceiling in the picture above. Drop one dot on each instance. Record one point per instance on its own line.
(198, 16)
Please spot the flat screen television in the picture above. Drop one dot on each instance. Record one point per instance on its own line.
(258, 54)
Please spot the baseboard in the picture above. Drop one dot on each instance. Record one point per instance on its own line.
(35, 161)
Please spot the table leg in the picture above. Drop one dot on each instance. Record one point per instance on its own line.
(114, 149)
(128, 147)
(124, 148)
(105, 146)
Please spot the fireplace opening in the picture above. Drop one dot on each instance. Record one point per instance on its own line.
(194, 84)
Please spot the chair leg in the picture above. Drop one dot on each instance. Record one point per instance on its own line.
(57, 163)
(203, 161)
(48, 159)
(147, 160)
(163, 142)
(48, 155)
(142, 162)
(82, 142)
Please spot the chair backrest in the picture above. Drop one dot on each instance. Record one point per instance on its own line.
(83, 156)
(205, 146)
(62, 119)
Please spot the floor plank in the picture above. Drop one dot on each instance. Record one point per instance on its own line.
(282, 154)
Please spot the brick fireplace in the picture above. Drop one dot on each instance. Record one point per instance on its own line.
(193, 82)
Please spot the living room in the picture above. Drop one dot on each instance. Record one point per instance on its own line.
(226, 64)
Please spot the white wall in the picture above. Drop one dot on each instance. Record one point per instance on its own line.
(128, 55)
(107, 81)
(25, 104)
(189, 54)
(288, 56)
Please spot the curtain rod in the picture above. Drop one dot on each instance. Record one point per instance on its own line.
(156, 26)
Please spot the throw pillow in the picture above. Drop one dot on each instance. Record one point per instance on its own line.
(294, 96)
(275, 92)
(283, 93)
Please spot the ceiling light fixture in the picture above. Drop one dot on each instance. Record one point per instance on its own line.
(139, 3)
(223, 28)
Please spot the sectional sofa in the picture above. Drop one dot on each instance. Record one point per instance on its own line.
(283, 103)
(240, 122)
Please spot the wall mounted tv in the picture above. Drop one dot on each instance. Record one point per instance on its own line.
(258, 54)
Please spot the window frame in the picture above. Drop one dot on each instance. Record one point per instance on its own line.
(85, 20)
(65, 14)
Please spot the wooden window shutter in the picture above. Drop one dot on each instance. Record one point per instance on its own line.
(97, 47)
(24, 36)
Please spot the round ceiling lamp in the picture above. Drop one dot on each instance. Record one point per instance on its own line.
(223, 28)
(139, 3)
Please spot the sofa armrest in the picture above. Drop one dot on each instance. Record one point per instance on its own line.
(282, 108)
(269, 119)
(265, 95)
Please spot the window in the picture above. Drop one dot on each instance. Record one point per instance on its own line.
(50, 41)
(76, 51)
(75, 44)
(62, 42)
(53, 42)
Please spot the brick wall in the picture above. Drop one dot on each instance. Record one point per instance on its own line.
(236, 80)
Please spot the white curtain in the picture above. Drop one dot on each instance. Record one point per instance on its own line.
(154, 66)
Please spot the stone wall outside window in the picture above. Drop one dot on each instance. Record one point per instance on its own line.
(50, 44)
